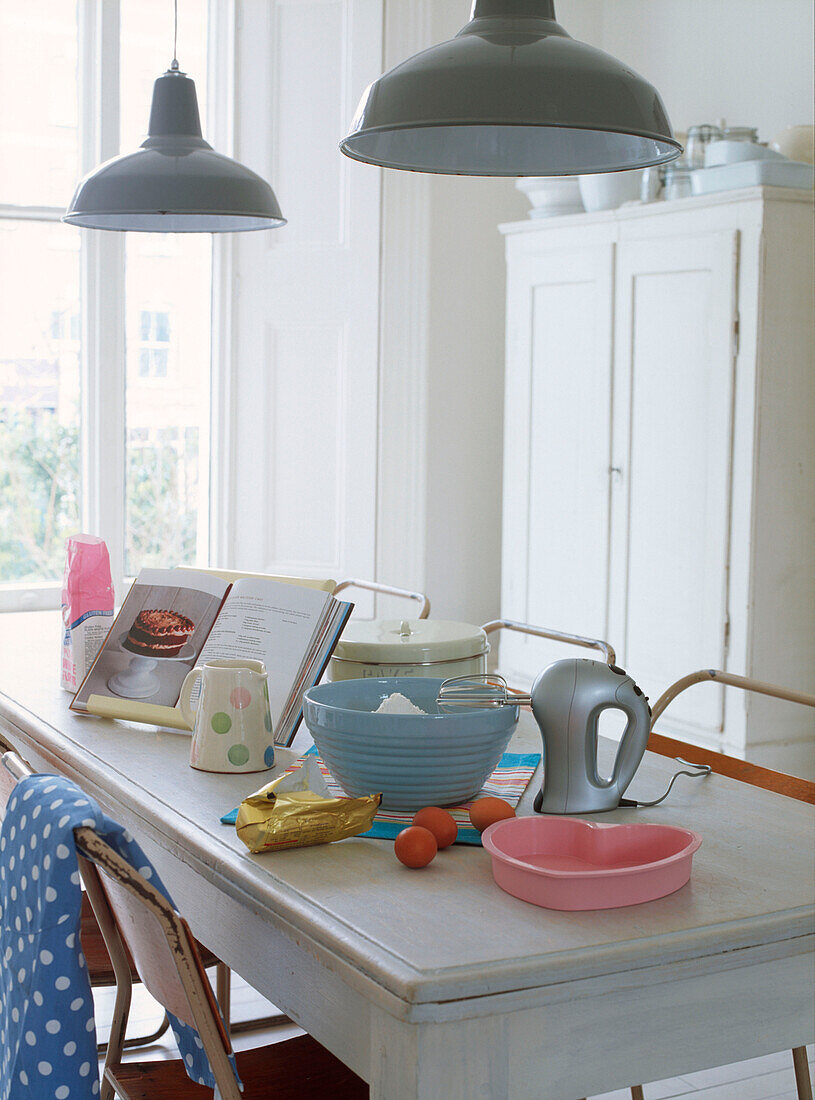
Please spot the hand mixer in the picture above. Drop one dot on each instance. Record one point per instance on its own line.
(567, 699)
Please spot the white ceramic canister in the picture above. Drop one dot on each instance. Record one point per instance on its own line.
(409, 647)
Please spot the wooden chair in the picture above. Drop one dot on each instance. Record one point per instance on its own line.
(131, 911)
(144, 935)
(100, 966)
(756, 776)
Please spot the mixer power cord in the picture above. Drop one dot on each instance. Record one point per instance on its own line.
(701, 770)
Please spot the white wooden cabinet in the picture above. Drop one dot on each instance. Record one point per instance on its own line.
(659, 454)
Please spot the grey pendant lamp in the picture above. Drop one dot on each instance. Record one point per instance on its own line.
(175, 182)
(511, 95)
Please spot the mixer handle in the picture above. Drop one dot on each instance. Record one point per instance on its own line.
(388, 590)
(633, 741)
(555, 635)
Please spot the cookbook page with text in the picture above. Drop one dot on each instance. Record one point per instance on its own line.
(270, 622)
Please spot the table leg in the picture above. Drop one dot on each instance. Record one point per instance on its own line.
(427, 1061)
(801, 1063)
(223, 991)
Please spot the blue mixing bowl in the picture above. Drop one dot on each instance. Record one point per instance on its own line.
(439, 758)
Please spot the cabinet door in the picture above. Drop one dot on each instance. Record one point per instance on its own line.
(674, 374)
(556, 450)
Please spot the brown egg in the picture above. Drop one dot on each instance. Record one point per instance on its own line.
(487, 810)
(440, 823)
(415, 846)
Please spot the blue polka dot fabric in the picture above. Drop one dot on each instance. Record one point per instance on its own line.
(47, 1026)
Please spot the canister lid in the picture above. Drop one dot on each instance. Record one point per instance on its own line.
(409, 641)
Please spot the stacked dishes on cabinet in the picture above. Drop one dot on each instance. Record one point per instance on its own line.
(739, 160)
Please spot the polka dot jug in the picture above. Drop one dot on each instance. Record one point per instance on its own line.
(232, 724)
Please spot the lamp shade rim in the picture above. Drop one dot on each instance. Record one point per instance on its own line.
(174, 191)
(348, 146)
(241, 221)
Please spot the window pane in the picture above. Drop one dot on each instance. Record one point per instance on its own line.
(39, 91)
(39, 397)
(146, 31)
(168, 371)
(162, 328)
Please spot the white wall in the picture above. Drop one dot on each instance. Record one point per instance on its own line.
(465, 394)
(442, 321)
(748, 61)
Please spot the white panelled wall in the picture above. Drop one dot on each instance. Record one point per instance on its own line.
(305, 302)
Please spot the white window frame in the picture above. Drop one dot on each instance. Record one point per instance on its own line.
(102, 303)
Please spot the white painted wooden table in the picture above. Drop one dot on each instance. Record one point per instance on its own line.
(436, 984)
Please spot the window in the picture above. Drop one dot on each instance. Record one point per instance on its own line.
(104, 337)
(154, 344)
(65, 324)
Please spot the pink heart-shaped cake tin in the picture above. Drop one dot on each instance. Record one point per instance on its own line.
(566, 863)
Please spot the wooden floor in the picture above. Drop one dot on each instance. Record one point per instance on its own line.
(767, 1078)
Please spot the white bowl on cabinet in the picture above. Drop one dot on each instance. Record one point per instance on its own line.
(608, 190)
(551, 196)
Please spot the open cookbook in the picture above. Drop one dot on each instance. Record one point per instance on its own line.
(174, 619)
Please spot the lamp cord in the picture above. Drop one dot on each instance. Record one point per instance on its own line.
(174, 62)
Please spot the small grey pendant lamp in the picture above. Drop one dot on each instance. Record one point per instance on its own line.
(511, 95)
(175, 182)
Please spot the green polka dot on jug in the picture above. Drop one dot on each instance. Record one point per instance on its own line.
(221, 722)
(238, 755)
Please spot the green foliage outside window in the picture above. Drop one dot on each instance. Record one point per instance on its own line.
(39, 479)
(39, 507)
(162, 500)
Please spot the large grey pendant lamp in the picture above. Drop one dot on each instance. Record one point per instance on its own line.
(175, 182)
(511, 95)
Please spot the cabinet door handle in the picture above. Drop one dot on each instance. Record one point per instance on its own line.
(616, 472)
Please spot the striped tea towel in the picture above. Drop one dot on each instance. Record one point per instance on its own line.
(509, 781)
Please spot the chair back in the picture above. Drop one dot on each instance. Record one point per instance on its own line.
(131, 911)
(14, 769)
(790, 785)
(7, 785)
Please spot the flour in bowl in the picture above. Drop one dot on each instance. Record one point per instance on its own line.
(398, 704)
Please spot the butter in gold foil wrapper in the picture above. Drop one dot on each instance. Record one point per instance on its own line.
(297, 810)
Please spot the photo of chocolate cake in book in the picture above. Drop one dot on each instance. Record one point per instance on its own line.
(159, 633)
